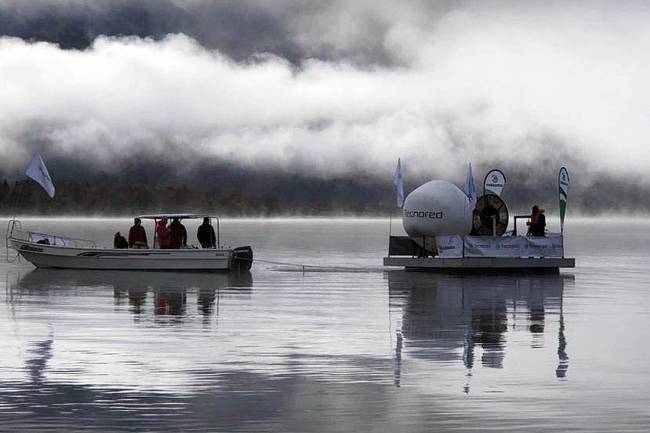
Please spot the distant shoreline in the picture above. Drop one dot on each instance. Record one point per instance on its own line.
(360, 217)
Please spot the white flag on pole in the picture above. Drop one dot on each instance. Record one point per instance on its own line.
(398, 181)
(494, 182)
(469, 188)
(37, 171)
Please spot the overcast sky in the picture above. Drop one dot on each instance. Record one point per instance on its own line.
(329, 87)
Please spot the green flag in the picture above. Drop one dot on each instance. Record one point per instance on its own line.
(563, 181)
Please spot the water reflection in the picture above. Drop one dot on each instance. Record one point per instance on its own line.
(42, 352)
(443, 316)
(162, 294)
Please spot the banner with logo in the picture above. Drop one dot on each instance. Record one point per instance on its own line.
(514, 246)
(564, 182)
(494, 182)
(500, 246)
(449, 246)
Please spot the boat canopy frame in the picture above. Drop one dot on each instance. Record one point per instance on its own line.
(180, 216)
(15, 230)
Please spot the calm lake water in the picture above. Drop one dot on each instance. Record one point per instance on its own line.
(348, 349)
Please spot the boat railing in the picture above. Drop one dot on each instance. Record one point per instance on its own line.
(16, 232)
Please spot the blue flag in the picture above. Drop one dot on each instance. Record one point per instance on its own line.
(37, 171)
(469, 189)
(398, 181)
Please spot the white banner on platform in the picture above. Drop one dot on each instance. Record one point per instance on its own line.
(449, 246)
(551, 245)
(500, 246)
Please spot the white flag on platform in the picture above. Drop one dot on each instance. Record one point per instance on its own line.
(469, 189)
(37, 171)
(494, 182)
(398, 181)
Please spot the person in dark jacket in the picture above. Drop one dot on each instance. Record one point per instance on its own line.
(137, 235)
(537, 225)
(177, 234)
(119, 241)
(205, 234)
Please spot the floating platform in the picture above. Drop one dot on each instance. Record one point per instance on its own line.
(482, 263)
(479, 253)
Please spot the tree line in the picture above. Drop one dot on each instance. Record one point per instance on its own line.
(289, 195)
(80, 198)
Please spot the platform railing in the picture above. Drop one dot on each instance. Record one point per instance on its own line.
(514, 231)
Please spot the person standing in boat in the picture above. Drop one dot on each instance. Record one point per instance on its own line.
(537, 224)
(205, 234)
(162, 234)
(177, 234)
(137, 235)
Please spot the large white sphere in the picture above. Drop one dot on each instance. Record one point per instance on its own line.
(437, 208)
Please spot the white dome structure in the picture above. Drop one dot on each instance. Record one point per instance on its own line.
(437, 208)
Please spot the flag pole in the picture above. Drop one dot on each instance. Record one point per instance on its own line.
(12, 222)
(19, 190)
(398, 181)
(37, 171)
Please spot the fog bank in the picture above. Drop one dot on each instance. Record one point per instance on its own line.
(514, 84)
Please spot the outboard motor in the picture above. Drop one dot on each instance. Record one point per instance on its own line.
(242, 258)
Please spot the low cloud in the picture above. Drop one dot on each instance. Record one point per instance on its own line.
(520, 86)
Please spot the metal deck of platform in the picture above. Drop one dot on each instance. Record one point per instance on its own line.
(480, 262)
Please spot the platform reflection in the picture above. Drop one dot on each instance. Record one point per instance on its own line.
(448, 318)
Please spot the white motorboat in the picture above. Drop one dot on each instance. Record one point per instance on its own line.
(52, 251)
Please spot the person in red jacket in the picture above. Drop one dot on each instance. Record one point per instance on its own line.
(537, 224)
(162, 233)
(137, 235)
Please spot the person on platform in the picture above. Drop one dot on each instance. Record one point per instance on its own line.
(137, 235)
(205, 234)
(177, 234)
(119, 241)
(162, 234)
(537, 224)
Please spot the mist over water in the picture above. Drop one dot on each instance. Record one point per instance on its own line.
(283, 350)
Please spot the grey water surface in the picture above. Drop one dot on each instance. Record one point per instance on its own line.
(342, 345)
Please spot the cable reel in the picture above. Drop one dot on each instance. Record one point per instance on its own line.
(490, 216)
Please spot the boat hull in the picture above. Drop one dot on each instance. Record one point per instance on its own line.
(191, 259)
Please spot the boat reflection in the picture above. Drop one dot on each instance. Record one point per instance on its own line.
(165, 292)
(443, 316)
